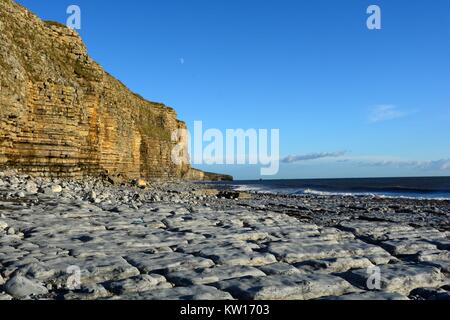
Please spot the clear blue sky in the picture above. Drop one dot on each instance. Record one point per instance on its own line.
(349, 102)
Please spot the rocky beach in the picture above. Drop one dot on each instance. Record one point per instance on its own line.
(99, 239)
(99, 200)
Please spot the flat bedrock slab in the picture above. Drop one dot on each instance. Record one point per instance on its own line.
(399, 278)
(433, 255)
(209, 246)
(443, 244)
(334, 265)
(371, 296)
(88, 292)
(283, 287)
(92, 270)
(238, 257)
(431, 294)
(279, 268)
(375, 230)
(290, 253)
(407, 247)
(165, 262)
(138, 284)
(443, 265)
(211, 275)
(200, 292)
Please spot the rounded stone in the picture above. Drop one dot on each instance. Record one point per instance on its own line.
(3, 225)
(56, 188)
(21, 194)
(141, 183)
(31, 187)
(20, 287)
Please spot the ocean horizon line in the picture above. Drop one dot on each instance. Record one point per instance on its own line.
(344, 178)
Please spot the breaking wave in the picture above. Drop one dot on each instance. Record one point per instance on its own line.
(269, 189)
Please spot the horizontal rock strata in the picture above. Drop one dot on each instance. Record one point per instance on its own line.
(62, 115)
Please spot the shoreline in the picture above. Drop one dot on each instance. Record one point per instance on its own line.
(283, 188)
(431, 212)
(200, 241)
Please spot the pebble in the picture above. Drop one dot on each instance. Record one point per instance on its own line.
(3, 225)
(31, 187)
(56, 188)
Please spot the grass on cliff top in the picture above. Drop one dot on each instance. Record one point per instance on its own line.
(55, 23)
(137, 95)
(149, 102)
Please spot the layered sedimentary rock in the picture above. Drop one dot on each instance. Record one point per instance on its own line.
(62, 115)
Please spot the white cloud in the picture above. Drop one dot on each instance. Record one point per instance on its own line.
(428, 165)
(386, 112)
(442, 165)
(312, 156)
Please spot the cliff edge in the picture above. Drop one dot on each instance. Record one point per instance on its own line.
(62, 115)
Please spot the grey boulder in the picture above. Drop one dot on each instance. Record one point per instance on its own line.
(20, 287)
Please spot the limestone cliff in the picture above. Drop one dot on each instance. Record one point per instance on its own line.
(62, 115)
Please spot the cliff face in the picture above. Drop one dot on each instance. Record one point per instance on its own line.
(62, 115)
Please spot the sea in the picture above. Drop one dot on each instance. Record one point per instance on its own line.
(437, 188)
